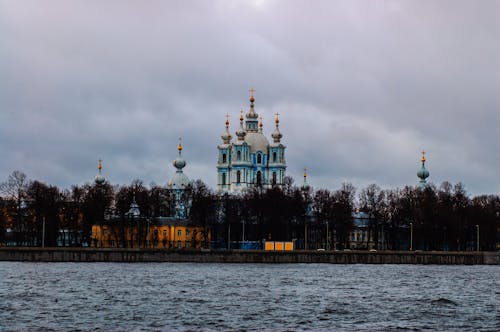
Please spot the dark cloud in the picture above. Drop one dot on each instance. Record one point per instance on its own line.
(361, 86)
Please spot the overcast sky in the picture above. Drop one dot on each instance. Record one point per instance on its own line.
(362, 87)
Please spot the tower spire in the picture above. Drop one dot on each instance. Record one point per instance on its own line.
(179, 162)
(241, 133)
(423, 173)
(252, 116)
(99, 179)
(226, 136)
(305, 186)
(276, 135)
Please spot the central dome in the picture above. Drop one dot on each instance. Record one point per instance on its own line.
(257, 142)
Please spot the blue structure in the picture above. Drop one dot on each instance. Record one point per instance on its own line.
(423, 173)
(178, 185)
(250, 161)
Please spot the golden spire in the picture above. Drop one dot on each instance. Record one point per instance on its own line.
(277, 120)
(241, 115)
(252, 99)
(227, 119)
(423, 157)
(179, 146)
(305, 172)
(261, 124)
(99, 165)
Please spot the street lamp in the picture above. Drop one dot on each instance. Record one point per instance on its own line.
(477, 237)
(411, 236)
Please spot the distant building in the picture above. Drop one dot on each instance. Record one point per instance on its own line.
(362, 235)
(250, 161)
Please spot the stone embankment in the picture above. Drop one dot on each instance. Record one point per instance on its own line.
(246, 256)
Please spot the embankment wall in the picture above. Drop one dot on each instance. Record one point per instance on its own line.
(245, 256)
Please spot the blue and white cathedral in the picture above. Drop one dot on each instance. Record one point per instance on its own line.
(250, 161)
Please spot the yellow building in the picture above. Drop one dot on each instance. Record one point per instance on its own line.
(143, 235)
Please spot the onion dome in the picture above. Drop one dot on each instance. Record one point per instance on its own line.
(134, 209)
(423, 173)
(276, 135)
(99, 179)
(251, 114)
(241, 133)
(226, 136)
(179, 180)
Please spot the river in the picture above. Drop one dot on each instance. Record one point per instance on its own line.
(247, 297)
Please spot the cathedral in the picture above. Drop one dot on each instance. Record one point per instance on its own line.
(250, 161)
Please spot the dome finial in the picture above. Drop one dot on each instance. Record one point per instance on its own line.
(179, 146)
(305, 186)
(261, 123)
(227, 120)
(241, 115)
(252, 99)
(423, 156)
(277, 120)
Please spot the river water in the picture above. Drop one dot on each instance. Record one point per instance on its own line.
(185, 297)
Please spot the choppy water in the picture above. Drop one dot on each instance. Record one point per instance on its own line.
(181, 296)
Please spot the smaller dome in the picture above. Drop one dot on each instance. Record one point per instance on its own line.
(423, 173)
(276, 135)
(179, 163)
(99, 179)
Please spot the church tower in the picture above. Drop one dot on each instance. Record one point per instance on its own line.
(178, 185)
(250, 161)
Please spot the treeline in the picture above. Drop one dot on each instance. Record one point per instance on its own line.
(440, 218)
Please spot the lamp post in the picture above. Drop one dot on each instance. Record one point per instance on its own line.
(477, 237)
(411, 236)
(43, 232)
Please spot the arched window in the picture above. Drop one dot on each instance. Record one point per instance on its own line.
(238, 177)
(224, 158)
(223, 178)
(238, 155)
(274, 178)
(259, 158)
(259, 179)
(274, 157)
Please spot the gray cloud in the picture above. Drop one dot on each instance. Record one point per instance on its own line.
(361, 87)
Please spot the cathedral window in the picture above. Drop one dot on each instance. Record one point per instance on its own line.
(274, 157)
(238, 177)
(274, 178)
(223, 178)
(238, 155)
(259, 158)
(259, 178)
(224, 158)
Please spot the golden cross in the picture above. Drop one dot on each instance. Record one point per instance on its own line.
(252, 90)
(423, 153)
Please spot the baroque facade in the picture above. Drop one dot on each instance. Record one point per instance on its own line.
(250, 161)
